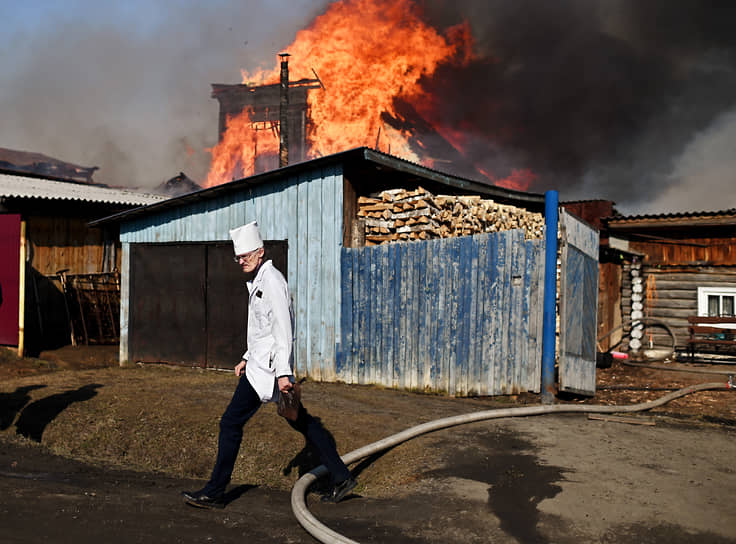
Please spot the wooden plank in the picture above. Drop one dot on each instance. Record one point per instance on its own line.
(397, 264)
(584, 237)
(492, 337)
(363, 315)
(621, 419)
(434, 265)
(462, 317)
(516, 337)
(314, 272)
(423, 361)
(538, 305)
(330, 238)
(414, 307)
(303, 288)
(387, 365)
(483, 327)
(710, 319)
(502, 351)
(455, 307)
(346, 316)
(476, 316)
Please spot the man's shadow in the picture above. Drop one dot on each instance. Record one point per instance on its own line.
(12, 403)
(308, 459)
(36, 416)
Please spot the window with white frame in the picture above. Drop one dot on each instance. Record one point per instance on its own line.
(716, 301)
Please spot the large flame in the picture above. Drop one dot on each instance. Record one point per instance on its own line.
(367, 54)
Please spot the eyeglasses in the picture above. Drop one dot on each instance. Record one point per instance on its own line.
(245, 256)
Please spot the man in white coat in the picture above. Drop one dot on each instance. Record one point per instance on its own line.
(265, 371)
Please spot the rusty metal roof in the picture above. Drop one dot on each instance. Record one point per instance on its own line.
(12, 186)
(701, 218)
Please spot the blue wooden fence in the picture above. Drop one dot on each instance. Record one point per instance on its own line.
(455, 315)
(578, 305)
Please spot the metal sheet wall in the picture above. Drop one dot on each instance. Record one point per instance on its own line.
(307, 212)
(457, 315)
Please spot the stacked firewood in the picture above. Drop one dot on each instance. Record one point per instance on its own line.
(397, 214)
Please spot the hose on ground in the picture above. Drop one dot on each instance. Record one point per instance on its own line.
(671, 349)
(326, 535)
(642, 321)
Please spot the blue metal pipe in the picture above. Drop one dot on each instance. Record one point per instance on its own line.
(549, 336)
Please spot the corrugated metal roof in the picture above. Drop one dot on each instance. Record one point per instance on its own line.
(678, 215)
(720, 218)
(31, 187)
(358, 156)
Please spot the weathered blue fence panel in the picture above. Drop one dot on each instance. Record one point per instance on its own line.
(578, 305)
(457, 315)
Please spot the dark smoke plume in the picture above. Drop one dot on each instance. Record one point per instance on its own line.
(633, 101)
(629, 100)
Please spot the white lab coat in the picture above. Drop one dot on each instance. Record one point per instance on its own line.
(270, 332)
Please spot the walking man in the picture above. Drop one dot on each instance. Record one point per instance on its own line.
(265, 371)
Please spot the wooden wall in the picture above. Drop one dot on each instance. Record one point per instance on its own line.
(458, 315)
(609, 304)
(57, 243)
(692, 251)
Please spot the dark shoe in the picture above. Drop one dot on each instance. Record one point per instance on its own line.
(201, 500)
(340, 491)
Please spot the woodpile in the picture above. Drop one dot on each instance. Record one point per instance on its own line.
(397, 214)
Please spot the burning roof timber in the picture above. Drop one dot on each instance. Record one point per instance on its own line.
(36, 164)
(178, 185)
(262, 104)
(367, 168)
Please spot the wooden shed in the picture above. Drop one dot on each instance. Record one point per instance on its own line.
(183, 299)
(46, 241)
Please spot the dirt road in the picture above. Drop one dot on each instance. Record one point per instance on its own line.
(532, 480)
(668, 476)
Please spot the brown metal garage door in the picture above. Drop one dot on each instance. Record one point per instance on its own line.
(188, 302)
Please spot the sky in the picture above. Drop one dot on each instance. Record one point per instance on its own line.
(628, 100)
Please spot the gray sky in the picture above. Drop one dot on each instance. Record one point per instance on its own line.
(620, 99)
(126, 85)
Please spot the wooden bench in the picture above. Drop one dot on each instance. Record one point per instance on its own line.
(705, 332)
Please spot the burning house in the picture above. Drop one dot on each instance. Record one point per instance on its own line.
(279, 109)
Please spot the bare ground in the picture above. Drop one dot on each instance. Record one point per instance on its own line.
(92, 452)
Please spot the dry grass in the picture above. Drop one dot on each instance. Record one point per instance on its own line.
(165, 419)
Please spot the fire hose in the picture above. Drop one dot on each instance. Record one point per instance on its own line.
(326, 535)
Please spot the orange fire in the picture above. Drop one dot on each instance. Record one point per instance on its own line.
(367, 54)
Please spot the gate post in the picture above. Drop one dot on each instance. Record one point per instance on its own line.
(549, 338)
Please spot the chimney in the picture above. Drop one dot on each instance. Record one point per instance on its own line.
(284, 111)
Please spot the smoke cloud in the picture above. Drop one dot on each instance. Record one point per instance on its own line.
(126, 85)
(618, 99)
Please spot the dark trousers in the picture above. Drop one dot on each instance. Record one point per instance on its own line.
(244, 404)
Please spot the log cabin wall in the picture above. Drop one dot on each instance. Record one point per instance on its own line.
(671, 295)
(677, 261)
